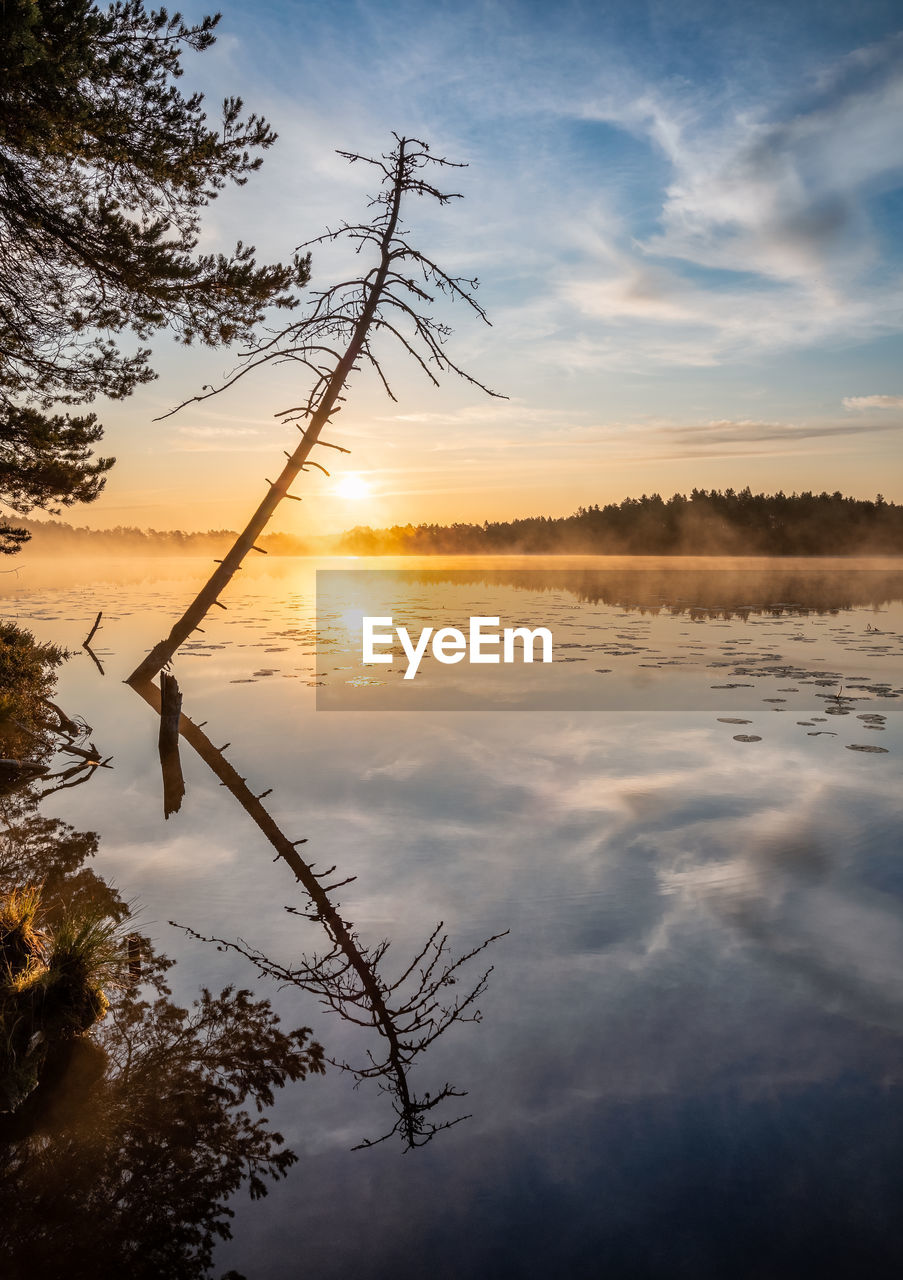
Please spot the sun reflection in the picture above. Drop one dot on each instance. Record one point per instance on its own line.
(353, 622)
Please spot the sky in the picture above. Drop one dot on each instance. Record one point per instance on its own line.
(683, 218)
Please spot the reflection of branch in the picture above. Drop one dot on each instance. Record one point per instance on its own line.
(78, 773)
(89, 762)
(409, 1012)
(168, 744)
(90, 636)
(94, 658)
(86, 644)
(67, 727)
(232, 781)
(90, 758)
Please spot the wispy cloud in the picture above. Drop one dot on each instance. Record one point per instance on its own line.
(786, 198)
(766, 237)
(216, 432)
(562, 433)
(873, 402)
(752, 439)
(747, 432)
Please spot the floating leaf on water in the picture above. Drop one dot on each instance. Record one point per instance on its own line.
(819, 733)
(731, 720)
(747, 737)
(858, 746)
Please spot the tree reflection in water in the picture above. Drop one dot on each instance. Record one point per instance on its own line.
(409, 1010)
(732, 591)
(125, 1155)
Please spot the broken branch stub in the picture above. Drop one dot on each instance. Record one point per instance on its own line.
(168, 744)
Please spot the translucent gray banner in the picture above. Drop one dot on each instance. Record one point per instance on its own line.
(660, 638)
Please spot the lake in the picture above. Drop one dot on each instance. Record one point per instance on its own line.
(680, 843)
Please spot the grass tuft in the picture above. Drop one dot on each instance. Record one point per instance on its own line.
(51, 984)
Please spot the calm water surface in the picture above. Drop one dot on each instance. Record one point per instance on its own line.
(689, 1060)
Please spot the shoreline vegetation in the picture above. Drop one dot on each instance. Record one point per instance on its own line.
(54, 962)
(107, 1086)
(705, 522)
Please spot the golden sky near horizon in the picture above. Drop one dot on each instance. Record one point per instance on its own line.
(478, 460)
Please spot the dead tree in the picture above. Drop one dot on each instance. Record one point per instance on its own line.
(334, 339)
(408, 1011)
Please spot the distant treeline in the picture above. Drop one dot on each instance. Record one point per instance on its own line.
(54, 537)
(708, 522)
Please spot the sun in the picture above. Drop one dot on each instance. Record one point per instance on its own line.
(353, 488)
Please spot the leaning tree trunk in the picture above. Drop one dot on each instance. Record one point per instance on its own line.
(162, 653)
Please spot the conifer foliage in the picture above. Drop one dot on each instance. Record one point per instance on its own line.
(105, 169)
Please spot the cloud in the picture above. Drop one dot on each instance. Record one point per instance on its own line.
(747, 432)
(787, 198)
(664, 318)
(485, 412)
(873, 402)
(218, 438)
(218, 432)
(766, 237)
(561, 434)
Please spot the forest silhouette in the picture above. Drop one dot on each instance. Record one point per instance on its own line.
(705, 522)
